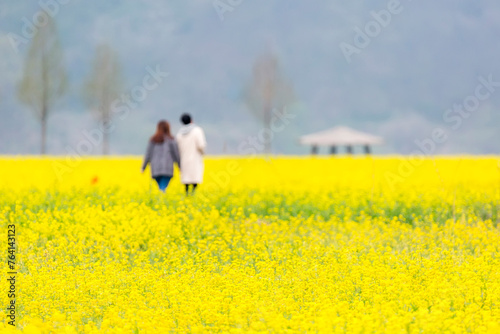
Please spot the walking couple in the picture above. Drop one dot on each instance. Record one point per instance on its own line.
(186, 149)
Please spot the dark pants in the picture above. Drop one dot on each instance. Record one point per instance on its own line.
(191, 184)
(163, 181)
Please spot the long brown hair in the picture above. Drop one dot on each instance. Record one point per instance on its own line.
(162, 131)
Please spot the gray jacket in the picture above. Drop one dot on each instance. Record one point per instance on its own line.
(162, 156)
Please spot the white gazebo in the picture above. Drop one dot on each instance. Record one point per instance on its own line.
(340, 136)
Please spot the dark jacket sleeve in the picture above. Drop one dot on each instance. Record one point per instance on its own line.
(175, 153)
(147, 157)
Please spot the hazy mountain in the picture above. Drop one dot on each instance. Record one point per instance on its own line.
(399, 83)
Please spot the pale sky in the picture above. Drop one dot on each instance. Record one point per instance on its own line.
(408, 74)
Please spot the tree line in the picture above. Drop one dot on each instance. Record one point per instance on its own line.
(45, 81)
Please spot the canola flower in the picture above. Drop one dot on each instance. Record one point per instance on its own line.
(267, 245)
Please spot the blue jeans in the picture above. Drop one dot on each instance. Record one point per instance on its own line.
(163, 181)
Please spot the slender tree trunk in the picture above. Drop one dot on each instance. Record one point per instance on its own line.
(267, 125)
(105, 143)
(43, 136)
(105, 119)
(45, 109)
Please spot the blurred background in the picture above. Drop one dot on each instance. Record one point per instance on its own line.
(401, 70)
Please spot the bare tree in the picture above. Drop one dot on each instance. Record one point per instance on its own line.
(268, 89)
(44, 79)
(103, 86)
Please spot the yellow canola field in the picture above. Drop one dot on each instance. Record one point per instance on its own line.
(266, 245)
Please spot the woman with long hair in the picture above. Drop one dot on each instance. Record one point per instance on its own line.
(161, 154)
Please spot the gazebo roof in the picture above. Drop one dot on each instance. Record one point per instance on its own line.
(340, 135)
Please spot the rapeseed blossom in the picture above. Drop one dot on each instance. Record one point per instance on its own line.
(266, 245)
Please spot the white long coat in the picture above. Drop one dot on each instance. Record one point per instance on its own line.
(192, 143)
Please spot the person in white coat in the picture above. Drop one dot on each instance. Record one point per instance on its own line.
(192, 143)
